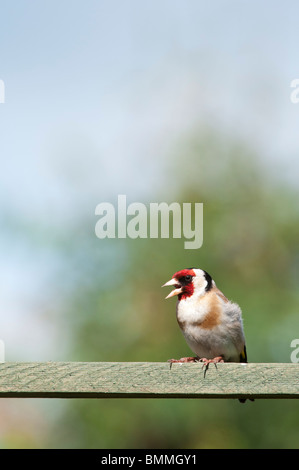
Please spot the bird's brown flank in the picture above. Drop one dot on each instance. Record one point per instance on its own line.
(213, 316)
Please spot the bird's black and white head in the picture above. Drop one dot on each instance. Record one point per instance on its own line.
(190, 282)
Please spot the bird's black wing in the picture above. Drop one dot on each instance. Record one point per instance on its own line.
(243, 355)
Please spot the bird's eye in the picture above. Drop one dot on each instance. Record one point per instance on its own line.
(188, 278)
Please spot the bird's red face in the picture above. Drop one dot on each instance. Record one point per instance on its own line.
(183, 284)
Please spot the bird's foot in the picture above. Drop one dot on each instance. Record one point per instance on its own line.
(206, 362)
(182, 360)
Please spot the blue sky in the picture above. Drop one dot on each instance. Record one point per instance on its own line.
(114, 75)
(97, 92)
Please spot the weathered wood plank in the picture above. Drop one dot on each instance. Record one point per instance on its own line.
(147, 380)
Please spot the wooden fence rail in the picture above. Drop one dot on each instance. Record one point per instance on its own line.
(147, 380)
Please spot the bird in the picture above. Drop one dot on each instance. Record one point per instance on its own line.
(211, 324)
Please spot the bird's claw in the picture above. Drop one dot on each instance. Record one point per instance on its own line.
(206, 362)
(183, 360)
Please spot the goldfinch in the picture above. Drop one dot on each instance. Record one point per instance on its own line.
(211, 324)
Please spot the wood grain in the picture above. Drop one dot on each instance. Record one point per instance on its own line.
(147, 380)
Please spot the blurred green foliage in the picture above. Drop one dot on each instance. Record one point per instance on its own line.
(115, 308)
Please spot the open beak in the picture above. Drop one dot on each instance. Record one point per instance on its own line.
(177, 291)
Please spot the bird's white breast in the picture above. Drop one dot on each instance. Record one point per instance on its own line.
(211, 326)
